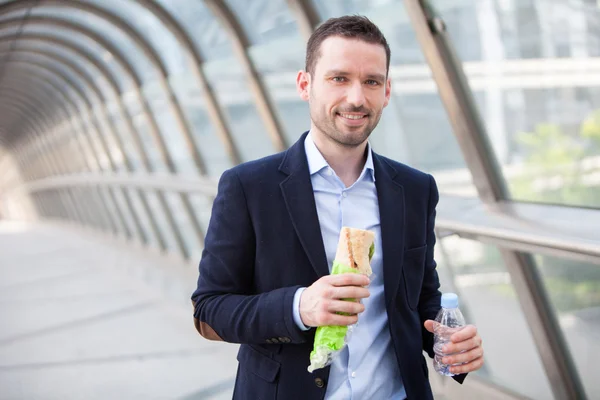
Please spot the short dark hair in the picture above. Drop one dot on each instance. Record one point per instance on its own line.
(349, 26)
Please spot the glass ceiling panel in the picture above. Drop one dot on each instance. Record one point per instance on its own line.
(35, 73)
(83, 42)
(12, 15)
(209, 36)
(157, 34)
(264, 21)
(12, 30)
(8, 32)
(25, 53)
(128, 48)
(72, 57)
(277, 51)
(208, 143)
(53, 66)
(15, 89)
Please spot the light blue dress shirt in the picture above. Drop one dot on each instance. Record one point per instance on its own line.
(367, 367)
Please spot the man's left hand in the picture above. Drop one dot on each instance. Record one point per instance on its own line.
(468, 342)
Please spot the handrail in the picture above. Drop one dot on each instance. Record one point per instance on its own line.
(522, 227)
(155, 181)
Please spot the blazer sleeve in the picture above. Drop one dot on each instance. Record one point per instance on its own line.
(430, 299)
(225, 307)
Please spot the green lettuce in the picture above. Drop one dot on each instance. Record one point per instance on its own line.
(329, 339)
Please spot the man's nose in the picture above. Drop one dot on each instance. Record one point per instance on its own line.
(356, 95)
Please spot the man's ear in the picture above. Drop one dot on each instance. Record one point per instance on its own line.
(303, 84)
(388, 91)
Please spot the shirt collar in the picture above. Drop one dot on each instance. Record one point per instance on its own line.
(316, 161)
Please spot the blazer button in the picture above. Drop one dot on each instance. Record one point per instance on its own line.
(285, 339)
(269, 341)
(320, 383)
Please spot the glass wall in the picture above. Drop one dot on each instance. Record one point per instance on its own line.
(414, 128)
(226, 76)
(574, 292)
(277, 51)
(535, 63)
(477, 273)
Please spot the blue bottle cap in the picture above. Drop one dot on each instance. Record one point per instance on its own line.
(449, 300)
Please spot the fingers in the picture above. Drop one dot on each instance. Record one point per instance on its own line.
(341, 320)
(348, 307)
(466, 357)
(462, 346)
(321, 303)
(470, 367)
(468, 332)
(347, 292)
(347, 280)
(430, 325)
(326, 317)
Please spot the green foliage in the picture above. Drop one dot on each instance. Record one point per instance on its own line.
(552, 156)
(548, 147)
(590, 130)
(571, 285)
(569, 296)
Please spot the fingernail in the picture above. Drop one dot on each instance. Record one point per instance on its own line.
(445, 349)
(445, 360)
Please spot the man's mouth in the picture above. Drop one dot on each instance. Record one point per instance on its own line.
(352, 116)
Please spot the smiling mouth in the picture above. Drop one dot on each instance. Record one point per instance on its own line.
(353, 116)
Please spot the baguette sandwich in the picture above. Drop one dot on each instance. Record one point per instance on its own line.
(355, 249)
(354, 252)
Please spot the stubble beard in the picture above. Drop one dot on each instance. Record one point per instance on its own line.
(327, 125)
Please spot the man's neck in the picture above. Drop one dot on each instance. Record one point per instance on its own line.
(347, 162)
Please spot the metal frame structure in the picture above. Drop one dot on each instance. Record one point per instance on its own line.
(50, 100)
(132, 131)
(472, 138)
(240, 42)
(154, 129)
(215, 112)
(75, 165)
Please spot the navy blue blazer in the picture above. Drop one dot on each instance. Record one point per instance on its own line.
(264, 242)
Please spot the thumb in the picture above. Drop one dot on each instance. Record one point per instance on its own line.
(429, 325)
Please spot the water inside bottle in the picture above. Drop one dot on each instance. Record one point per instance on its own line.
(442, 336)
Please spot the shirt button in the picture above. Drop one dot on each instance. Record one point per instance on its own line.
(354, 374)
(319, 382)
(344, 194)
(329, 171)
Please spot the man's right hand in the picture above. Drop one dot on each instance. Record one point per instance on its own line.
(321, 301)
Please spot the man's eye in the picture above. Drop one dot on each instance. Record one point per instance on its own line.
(339, 79)
(372, 82)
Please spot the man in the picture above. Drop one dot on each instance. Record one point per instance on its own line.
(264, 275)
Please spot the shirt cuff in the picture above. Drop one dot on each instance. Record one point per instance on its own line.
(296, 310)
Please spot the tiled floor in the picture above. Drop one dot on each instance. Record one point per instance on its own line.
(83, 318)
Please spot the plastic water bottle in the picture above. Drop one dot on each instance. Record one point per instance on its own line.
(450, 321)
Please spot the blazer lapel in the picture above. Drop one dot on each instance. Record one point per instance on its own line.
(391, 214)
(299, 199)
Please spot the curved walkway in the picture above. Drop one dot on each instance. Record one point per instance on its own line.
(83, 317)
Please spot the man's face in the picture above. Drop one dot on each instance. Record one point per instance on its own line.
(347, 89)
